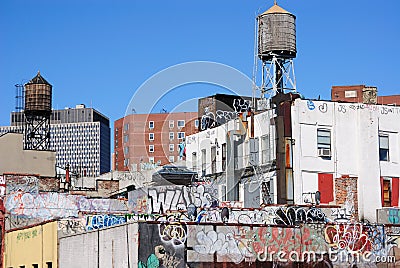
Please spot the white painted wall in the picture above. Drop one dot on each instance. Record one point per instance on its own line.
(355, 132)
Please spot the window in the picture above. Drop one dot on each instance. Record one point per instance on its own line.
(171, 123)
(151, 159)
(181, 123)
(390, 191)
(37, 265)
(265, 150)
(181, 135)
(171, 136)
(126, 138)
(383, 147)
(203, 161)
(213, 159)
(194, 161)
(171, 159)
(126, 150)
(171, 147)
(151, 148)
(223, 156)
(151, 136)
(49, 264)
(126, 162)
(196, 123)
(126, 127)
(324, 142)
(151, 124)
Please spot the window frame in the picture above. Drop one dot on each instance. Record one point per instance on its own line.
(184, 135)
(151, 136)
(171, 146)
(180, 121)
(151, 148)
(171, 124)
(151, 124)
(382, 149)
(171, 136)
(324, 145)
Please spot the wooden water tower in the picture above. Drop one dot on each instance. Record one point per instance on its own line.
(276, 48)
(37, 110)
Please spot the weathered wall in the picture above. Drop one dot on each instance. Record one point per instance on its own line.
(16, 160)
(187, 244)
(355, 130)
(111, 247)
(35, 245)
(59, 205)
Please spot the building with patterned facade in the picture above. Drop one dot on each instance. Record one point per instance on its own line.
(142, 141)
(80, 137)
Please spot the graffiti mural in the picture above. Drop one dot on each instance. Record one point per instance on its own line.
(161, 246)
(21, 183)
(101, 221)
(59, 205)
(171, 198)
(70, 227)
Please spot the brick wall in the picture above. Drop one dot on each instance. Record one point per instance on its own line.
(346, 194)
(49, 184)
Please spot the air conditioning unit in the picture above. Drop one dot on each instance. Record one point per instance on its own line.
(324, 152)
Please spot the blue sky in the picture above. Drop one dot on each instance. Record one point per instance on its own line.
(99, 52)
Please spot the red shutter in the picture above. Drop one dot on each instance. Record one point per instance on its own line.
(395, 192)
(325, 186)
(382, 193)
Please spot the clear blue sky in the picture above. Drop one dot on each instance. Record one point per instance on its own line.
(100, 52)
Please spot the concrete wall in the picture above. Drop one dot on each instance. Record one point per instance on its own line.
(16, 160)
(35, 245)
(111, 247)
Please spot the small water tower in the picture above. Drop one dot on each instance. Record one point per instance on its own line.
(37, 110)
(276, 48)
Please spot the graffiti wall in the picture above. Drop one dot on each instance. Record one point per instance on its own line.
(171, 198)
(162, 245)
(21, 183)
(210, 244)
(58, 205)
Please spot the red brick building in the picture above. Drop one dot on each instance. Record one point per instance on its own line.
(362, 94)
(142, 141)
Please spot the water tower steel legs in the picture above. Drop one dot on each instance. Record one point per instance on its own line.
(37, 132)
(277, 76)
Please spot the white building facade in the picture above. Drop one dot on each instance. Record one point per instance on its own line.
(344, 154)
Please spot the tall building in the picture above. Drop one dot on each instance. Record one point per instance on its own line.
(80, 137)
(144, 140)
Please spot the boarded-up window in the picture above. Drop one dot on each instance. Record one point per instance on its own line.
(325, 187)
(390, 192)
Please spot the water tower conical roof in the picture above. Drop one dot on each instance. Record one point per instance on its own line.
(38, 79)
(275, 9)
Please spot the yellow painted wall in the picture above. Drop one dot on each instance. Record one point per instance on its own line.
(36, 245)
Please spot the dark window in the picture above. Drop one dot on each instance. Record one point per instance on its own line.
(213, 159)
(223, 156)
(383, 148)
(324, 138)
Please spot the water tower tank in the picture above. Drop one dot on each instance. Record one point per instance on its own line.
(276, 34)
(38, 94)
